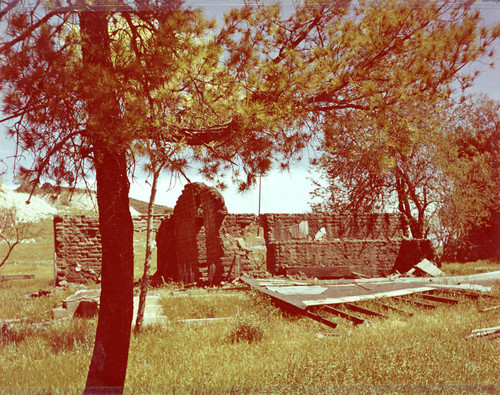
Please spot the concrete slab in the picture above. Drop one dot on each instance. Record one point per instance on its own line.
(85, 303)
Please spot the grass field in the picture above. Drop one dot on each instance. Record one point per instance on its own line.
(259, 349)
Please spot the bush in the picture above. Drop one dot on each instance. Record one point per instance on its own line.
(10, 335)
(246, 329)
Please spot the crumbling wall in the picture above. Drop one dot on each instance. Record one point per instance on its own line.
(78, 249)
(244, 245)
(368, 244)
(201, 242)
(192, 249)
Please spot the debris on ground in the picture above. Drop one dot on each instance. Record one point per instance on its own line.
(38, 294)
(85, 304)
(322, 299)
(427, 268)
(485, 310)
(489, 333)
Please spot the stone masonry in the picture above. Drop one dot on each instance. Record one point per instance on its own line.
(200, 242)
(77, 245)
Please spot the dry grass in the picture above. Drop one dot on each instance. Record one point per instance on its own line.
(462, 269)
(263, 350)
(260, 349)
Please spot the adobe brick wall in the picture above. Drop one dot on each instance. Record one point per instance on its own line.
(369, 257)
(78, 249)
(199, 242)
(368, 244)
(285, 227)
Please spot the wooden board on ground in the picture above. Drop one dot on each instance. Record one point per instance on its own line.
(320, 272)
(17, 277)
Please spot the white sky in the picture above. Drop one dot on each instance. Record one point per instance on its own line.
(281, 192)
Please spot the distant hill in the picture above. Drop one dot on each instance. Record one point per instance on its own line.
(81, 200)
(142, 207)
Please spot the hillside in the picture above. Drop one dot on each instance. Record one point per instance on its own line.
(142, 207)
(48, 200)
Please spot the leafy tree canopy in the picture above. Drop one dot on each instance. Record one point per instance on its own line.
(82, 84)
(251, 91)
(388, 152)
(469, 217)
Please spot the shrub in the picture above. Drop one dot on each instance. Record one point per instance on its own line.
(9, 334)
(246, 329)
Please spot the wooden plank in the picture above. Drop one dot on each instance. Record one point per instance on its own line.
(492, 333)
(17, 277)
(363, 310)
(439, 299)
(489, 309)
(429, 268)
(416, 302)
(297, 310)
(318, 318)
(320, 272)
(343, 314)
(371, 296)
(469, 293)
(285, 305)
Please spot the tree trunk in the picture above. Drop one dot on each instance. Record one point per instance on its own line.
(149, 252)
(109, 361)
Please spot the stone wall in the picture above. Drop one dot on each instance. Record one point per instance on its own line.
(77, 246)
(201, 242)
(368, 244)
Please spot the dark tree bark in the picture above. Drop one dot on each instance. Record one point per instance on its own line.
(109, 361)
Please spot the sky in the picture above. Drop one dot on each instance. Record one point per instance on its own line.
(281, 192)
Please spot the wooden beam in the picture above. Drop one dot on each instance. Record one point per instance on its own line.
(392, 308)
(318, 318)
(439, 299)
(466, 293)
(343, 314)
(416, 302)
(363, 310)
(283, 304)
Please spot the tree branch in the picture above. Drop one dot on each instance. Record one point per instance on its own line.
(33, 27)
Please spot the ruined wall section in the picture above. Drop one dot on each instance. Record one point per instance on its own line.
(322, 226)
(214, 211)
(201, 242)
(78, 249)
(187, 220)
(241, 255)
(367, 244)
